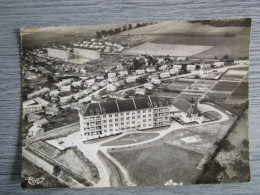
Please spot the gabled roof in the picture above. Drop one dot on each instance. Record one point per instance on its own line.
(115, 106)
(185, 107)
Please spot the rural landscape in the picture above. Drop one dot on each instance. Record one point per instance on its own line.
(137, 104)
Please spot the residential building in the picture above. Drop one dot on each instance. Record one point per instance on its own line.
(40, 122)
(205, 71)
(90, 82)
(131, 79)
(111, 75)
(150, 69)
(140, 91)
(31, 106)
(218, 64)
(113, 79)
(54, 93)
(119, 83)
(95, 87)
(100, 77)
(177, 66)
(38, 92)
(156, 81)
(181, 58)
(163, 67)
(34, 131)
(66, 88)
(33, 117)
(65, 99)
(174, 71)
(117, 116)
(191, 67)
(165, 75)
(111, 87)
(149, 86)
(86, 53)
(123, 73)
(63, 83)
(140, 71)
(78, 95)
(52, 111)
(76, 83)
(62, 54)
(241, 62)
(186, 112)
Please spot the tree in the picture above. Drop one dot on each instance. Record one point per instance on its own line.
(226, 57)
(50, 78)
(56, 170)
(130, 26)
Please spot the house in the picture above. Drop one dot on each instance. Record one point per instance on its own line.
(241, 62)
(131, 79)
(111, 87)
(40, 122)
(76, 83)
(119, 67)
(149, 86)
(140, 91)
(103, 119)
(103, 83)
(90, 82)
(31, 106)
(177, 66)
(84, 100)
(77, 106)
(181, 58)
(165, 75)
(113, 79)
(156, 81)
(205, 66)
(66, 88)
(186, 112)
(119, 83)
(33, 117)
(206, 71)
(119, 96)
(163, 67)
(41, 101)
(150, 69)
(65, 99)
(123, 73)
(111, 75)
(63, 83)
(100, 77)
(78, 95)
(34, 131)
(218, 64)
(174, 71)
(87, 91)
(52, 111)
(54, 93)
(83, 71)
(191, 67)
(95, 87)
(140, 71)
(39, 92)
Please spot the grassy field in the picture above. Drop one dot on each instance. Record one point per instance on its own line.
(167, 49)
(159, 163)
(234, 74)
(217, 97)
(131, 139)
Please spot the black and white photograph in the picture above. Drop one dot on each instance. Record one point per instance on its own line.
(135, 104)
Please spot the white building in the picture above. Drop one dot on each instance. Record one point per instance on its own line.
(140, 91)
(149, 86)
(33, 117)
(241, 62)
(156, 81)
(174, 71)
(31, 106)
(76, 83)
(186, 111)
(34, 131)
(177, 66)
(131, 79)
(140, 71)
(66, 88)
(119, 83)
(62, 54)
(86, 53)
(111, 87)
(54, 93)
(165, 75)
(38, 92)
(181, 58)
(113, 79)
(191, 67)
(63, 83)
(218, 64)
(52, 111)
(205, 71)
(150, 69)
(40, 122)
(111, 75)
(78, 95)
(163, 67)
(65, 99)
(41, 101)
(95, 87)
(90, 82)
(118, 116)
(123, 73)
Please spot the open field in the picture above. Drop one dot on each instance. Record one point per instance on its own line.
(131, 139)
(240, 94)
(217, 97)
(235, 74)
(167, 49)
(225, 86)
(190, 96)
(177, 86)
(157, 164)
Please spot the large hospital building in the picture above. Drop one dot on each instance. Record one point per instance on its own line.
(116, 116)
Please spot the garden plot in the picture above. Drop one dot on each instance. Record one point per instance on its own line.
(177, 86)
(235, 74)
(225, 86)
(167, 49)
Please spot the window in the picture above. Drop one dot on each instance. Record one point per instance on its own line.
(127, 113)
(144, 125)
(116, 124)
(122, 114)
(144, 116)
(144, 120)
(110, 115)
(104, 116)
(105, 126)
(133, 117)
(122, 124)
(127, 123)
(110, 125)
(116, 114)
(127, 118)
(144, 111)
(138, 111)
(133, 122)
(110, 120)
(116, 119)
(104, 121)
(149, 115)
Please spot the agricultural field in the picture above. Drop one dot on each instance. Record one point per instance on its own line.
(131, 139)
(225, 86)
(157, 164)
(217, 97)
(190, 96)
(177, 86)
(234, 74)
(240, 94)
(166, 49)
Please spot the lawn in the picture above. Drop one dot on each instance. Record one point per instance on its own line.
(157, 164)
(131, 139)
